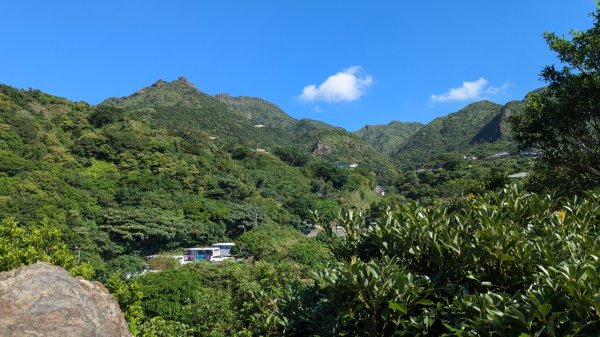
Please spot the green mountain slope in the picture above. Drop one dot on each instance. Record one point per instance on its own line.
(498, 129)
(258, 111)
(142, 174)
(388, 138)
(321, 140)
(249, 123)
(178, 105)
(479, 129)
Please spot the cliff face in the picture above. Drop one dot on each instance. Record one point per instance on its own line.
(44, 300)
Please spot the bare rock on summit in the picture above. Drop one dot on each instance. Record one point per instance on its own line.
(44, 300)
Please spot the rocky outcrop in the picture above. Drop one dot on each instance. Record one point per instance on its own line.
(185, 82)
(44, 300)
(321, 149)
(357, 145)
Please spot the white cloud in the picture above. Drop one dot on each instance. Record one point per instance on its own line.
(345, 86)
(318, 109)
(470, 91)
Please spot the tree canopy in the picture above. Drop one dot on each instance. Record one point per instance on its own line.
(563, 120)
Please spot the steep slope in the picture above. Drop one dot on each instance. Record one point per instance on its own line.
(322, 140)
(180, 106)
(145, 173)
(388, 138)
(498, 128)
(346, 149)
(478, 129)
(257, 110)
(246, 122)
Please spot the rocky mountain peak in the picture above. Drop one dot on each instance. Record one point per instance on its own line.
(185, 81)
(159, 84)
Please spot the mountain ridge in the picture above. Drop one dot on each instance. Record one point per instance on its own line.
(479, 128)
(179, 105)
(387, 138)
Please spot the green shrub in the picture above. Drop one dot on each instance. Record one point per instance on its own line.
(509, 263)
(163, 263)
(278, 243)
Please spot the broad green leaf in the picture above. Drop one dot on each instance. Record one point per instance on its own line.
(398, 307)
(425, 302)
(545, 309)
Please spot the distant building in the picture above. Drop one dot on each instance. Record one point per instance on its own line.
(353, 165)
(259, 126)
(518, 175)
(211, 254)
(337, 231)
(498, 155)
(341, 165)
(531, 152)
(224, 247)
(469, 157)
(380, 190)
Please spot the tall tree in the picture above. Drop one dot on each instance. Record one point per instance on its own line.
(563, 120)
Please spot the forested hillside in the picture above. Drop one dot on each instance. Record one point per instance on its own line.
(479, 129)
(388, 138)
(248, 122)
(258, 111)
(170, 166)
(162, 169)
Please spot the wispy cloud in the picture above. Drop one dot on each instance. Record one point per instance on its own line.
(478, 89)
(345, 86)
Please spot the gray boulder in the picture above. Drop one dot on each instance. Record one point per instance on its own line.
(44, 300)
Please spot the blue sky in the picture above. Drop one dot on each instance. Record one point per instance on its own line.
(345, 62)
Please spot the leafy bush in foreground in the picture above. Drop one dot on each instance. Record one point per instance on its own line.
(508, 264)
